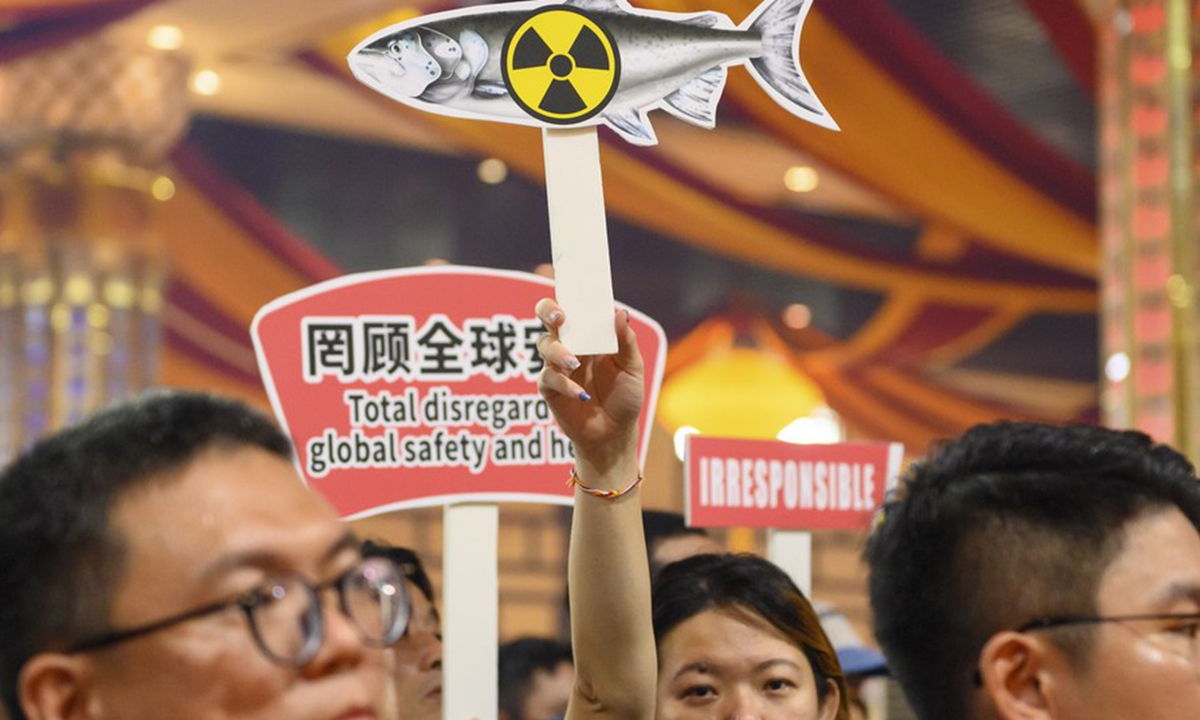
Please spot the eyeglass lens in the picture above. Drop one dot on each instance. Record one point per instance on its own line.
(288, 620)
(375, 599)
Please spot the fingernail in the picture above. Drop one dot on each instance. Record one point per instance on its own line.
(555, 316)
(584, 396)
(571, 363)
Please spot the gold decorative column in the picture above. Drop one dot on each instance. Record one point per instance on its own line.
(1147, 120)
(83, 129)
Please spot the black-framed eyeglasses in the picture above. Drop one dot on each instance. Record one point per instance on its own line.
(286, 616)
(1190, 621)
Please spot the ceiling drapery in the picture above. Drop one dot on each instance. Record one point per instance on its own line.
(1005, 223)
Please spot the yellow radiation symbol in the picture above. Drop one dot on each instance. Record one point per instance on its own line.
(561, 66)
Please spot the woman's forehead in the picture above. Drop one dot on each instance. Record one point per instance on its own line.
(732, 631)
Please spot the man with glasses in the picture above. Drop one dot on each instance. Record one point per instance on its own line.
(162, 560)
(1030, 572)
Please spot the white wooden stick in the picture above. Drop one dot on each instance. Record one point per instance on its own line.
(579, 239)
(792, 551)
(471, 608)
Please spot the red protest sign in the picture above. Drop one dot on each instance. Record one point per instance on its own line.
(772, 484)
(416, 387)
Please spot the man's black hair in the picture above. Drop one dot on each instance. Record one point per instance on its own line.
(519, 660)
(660, 525)
(60, 559)
(657, 526)
(405, 559)
(1010, 522)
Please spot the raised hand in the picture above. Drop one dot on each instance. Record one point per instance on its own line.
(596, 399)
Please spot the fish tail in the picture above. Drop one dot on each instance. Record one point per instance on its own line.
(777, 70)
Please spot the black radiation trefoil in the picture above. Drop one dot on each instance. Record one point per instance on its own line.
(561, 66)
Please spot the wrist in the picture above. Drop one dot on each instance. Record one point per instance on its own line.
(610, 466)
(601, 492)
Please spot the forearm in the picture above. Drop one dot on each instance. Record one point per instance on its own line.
(609, 585)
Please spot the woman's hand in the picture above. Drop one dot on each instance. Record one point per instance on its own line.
(596, 399)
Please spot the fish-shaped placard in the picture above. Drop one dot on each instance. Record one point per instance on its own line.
(587, 62)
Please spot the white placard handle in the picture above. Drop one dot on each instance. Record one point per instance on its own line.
(579, 239)
(791, 550)
(471, 612)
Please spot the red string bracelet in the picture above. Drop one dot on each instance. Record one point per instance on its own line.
(574, 481)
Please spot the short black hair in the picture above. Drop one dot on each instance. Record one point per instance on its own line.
(657, 526)
(518, 661)
(690, 586)
(660, 525)
(1009, 522)
(407, 560)
(60, 559)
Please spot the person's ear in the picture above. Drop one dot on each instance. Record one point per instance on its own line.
(1017, 671)
(831, 703)
(52, 686)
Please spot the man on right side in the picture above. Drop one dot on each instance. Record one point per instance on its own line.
(1033, 572)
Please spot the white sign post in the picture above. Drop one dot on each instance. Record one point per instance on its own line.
(579, 239)
(792, 551)
(471, 604)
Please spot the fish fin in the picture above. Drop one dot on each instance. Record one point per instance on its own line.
(489, 90)
(696, 102)
(709, 20)
(442, 91)
(609, 6)
(444, 50)
(633, 125)
(777, 70)
(475, 50)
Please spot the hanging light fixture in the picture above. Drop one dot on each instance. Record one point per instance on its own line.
(738, 392)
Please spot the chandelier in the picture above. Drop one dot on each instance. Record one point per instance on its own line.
(83, 130)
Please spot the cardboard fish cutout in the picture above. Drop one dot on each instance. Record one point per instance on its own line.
(587, 62)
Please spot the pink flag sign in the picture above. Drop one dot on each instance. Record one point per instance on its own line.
(417, 387)
(785, 486)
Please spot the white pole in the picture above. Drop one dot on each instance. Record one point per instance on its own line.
(792, 551)
(579, 239)
(471, 612)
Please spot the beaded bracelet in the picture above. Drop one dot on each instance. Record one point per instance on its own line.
(596, 492)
